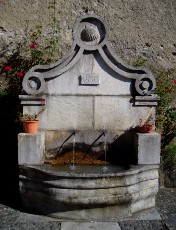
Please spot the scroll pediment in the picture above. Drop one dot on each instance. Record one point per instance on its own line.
(90, 34)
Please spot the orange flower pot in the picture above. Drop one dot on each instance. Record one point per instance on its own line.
(30, 126)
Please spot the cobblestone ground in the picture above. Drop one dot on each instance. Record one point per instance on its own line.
(143, 225)
(11, 219)
(166, 206)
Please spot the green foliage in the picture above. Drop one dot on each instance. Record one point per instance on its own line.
(166, 110)
(165, 114)
(2, 93)
(30, 117)
(168, 159)
(27, 117)
(140, 61)
(166, 118)
(40, 46)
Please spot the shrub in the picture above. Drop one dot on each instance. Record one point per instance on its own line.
(37, 47)
(140, 61)
(166, 109)
(168, 159)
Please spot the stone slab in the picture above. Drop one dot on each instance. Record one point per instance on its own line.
(148, 214)
(118, 113)
(147, 147)
(89, 225)
(111, 113)
(60, 140)
(69, 113)
(31, 148)
(147, 100)
(69, 83)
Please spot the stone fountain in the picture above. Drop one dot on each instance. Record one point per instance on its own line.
(93, 102)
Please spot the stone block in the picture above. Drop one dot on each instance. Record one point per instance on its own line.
(118, 113)
(69, 113)
(31, 148)
(151, 100)
(90, 225)
(147, 147)
(112, 113)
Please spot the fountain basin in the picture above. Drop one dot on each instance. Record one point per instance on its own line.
(93, 100)
(88, 192)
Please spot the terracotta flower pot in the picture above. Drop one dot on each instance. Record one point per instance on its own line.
(30, 126)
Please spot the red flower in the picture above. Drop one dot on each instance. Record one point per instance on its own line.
(174, 81)
(42, 101)
(7, 68)
(33, 45)
(20, 74)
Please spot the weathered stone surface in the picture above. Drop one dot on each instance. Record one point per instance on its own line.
(86, 112)
(73, 106)
(103, 102)
(117, 113)
(69, 113)
(70, 81)
(89, 195)
(147, 147)
(31, 148)
(151, 25)
(146, 219)
(87, 29)
(55, 139)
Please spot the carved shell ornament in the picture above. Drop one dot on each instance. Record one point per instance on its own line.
(90, 33)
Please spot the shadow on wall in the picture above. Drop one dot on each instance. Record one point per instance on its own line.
(113, 74)
(121, 151)
(9, 173)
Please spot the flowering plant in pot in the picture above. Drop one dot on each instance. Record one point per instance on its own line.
(30, 121)
(145, 127)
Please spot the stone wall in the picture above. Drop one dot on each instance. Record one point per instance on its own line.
(137, 28)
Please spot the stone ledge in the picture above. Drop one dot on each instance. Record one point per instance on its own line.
(146, 100)
(27, 100)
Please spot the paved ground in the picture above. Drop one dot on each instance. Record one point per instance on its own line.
(11, 219)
